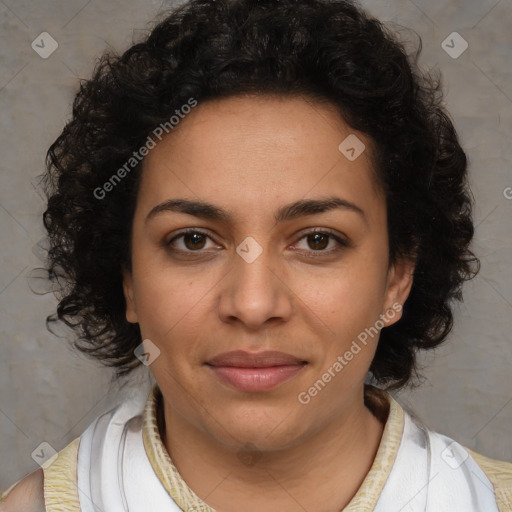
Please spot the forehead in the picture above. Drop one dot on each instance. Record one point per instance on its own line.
(260, 151)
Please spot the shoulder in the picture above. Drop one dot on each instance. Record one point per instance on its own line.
(499, 469)
(500, 474)
(26, 495)
(464, 479)
(52, 487)
(475, 468)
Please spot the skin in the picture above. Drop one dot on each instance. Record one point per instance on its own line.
(27, 495)
(252, 155)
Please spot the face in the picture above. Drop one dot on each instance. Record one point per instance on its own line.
(249, 272)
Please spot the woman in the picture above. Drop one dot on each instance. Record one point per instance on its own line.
(267, 204)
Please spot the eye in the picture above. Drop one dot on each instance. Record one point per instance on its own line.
(192, 241)
(318, 241)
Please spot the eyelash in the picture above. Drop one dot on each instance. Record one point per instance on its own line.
(313, 254)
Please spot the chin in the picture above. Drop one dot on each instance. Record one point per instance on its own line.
(260, 426)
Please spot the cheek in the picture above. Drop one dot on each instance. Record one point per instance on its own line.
(168, 300)
(349, 295)
(165, 290)
(170, 315)
(350, 305)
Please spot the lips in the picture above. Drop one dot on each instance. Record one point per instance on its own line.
(255, 372)
(266, 359)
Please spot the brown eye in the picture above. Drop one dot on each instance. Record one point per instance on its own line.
(318, 241)
(189, 241)
(322, 243)
(194, 241)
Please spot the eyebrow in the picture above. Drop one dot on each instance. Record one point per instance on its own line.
(291, 211)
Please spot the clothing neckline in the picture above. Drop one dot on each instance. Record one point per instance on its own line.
(381, 404)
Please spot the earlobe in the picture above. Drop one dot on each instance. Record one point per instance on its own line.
(131, 310)
(400, 280)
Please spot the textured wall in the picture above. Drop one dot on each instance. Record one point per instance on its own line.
(48, 393)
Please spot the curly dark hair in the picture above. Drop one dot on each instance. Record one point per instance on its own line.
(324, 50)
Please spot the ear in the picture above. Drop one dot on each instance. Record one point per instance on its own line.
(129, 297)
(399, 284)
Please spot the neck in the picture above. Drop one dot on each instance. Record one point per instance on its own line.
(323, 473)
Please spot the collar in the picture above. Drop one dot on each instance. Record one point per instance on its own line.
(382, 405)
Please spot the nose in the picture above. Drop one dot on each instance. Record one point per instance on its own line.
(255, 291)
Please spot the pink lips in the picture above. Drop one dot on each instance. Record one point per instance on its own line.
(257, 371)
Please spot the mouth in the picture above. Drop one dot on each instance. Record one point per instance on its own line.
(257, 371)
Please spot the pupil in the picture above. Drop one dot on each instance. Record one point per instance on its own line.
(317, 237)
(195, 238)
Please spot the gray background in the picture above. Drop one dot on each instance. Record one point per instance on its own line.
(50, 393)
